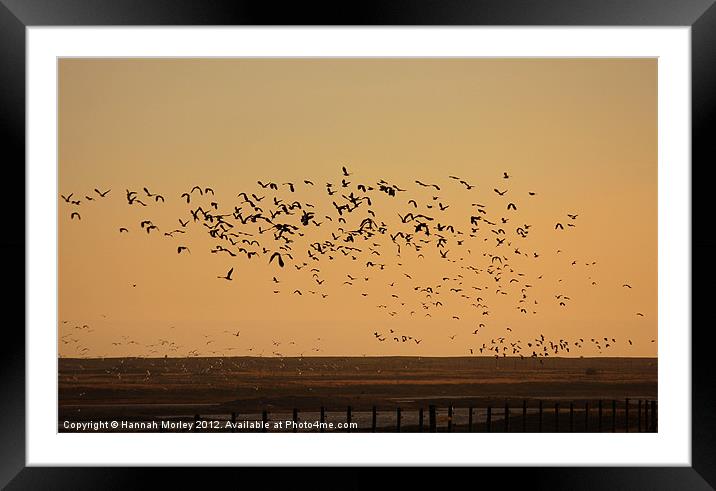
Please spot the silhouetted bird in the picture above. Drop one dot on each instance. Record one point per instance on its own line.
(277, 255)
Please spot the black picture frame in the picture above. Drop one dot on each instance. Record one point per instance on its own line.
(17, 15)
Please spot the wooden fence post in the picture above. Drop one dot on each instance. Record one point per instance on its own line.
(507, 417)
(374, 422)
(638, 418)
(649, 420)
(586, 416)
(539, 421)
(556, 417)
(614, 416)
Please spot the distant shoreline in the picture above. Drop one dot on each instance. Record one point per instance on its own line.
(180, 387)
(363, 357)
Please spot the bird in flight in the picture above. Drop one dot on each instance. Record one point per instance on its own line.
(285, 235)
(278, 255)
(427, 185)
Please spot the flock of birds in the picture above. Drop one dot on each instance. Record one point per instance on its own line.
(481, 249)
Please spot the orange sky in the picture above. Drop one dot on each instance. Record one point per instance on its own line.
(581, 134)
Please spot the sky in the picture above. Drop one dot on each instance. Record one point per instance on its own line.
(580, 134)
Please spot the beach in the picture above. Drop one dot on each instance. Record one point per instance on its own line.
(178, 389)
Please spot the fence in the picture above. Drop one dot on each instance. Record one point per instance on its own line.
(528, 417)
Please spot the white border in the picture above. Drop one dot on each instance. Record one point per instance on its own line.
(671, 446)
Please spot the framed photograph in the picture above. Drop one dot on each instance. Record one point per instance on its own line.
(442, 236)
